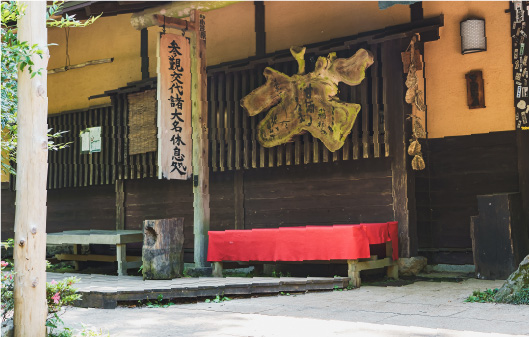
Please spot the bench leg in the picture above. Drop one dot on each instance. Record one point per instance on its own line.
(121, 255)
(217, 269)
(393, 271)
(76, 251)
(353, 273)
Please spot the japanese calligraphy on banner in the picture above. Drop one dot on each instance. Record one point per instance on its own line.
(174, 108)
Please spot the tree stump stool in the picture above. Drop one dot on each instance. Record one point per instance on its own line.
(162, 253)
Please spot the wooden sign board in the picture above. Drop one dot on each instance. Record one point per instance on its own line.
(475, 90)
(174, 108)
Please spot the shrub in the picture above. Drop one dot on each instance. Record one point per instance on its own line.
(8, 285)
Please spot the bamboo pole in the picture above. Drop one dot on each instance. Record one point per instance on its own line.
(200, 140)
(80, 65)
(32, 155)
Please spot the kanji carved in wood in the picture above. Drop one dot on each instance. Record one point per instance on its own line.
(308, 102)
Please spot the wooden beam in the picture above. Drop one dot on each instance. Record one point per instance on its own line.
(32, 155)
(199, 122)
(144, 53)
(260, 33)
(176, 23)
(175, 9)
(80, 65)
(416, 11)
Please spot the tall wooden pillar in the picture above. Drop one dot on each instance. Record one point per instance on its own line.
(199, 111)
(403, 177)
(32, 171)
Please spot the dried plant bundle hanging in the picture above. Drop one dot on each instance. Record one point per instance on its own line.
(414, 96)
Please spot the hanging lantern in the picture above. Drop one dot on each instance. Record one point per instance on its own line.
(473, 37)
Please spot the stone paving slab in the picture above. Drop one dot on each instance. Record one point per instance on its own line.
(366, 311)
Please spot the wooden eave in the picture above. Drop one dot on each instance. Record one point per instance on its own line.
(428, 28)
(84, 9)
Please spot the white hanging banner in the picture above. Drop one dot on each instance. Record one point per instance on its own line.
(174, 108)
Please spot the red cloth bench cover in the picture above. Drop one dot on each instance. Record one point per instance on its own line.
(338, 242)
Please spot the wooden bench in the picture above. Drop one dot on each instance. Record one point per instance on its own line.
(315, 244)
(119, 238)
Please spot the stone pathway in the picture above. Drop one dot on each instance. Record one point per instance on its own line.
(419, 309)
(105, 291)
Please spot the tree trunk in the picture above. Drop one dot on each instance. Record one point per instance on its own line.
(32, 155)
(201, 211)
(163, 255)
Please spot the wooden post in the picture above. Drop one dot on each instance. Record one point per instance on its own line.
(403, 178)
(76, 251)
(353, 273)
(199, 122)
(217, 269)
(120, 204)
(32, 170)
(393, 268)
(121, 257)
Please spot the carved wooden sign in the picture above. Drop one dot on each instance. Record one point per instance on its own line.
(308, 102)
(475, 90)
(174, 108)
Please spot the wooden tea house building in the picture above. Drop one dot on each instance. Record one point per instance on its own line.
(468, 204)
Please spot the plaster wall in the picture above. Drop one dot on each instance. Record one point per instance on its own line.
(297, 23)
(445, 69)
(230, 36)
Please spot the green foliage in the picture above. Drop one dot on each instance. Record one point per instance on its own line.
(54, 323)
(86, 332)
(280, 274)
(61, 293)
(482, 296)
(521, 297)
(19, 55)
(218, 299)
(57, 329)
(8, 286)
(61, 267)
(284, 294)
(159, 302)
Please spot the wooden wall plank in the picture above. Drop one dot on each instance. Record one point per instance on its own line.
(230, 116)
(375, 73)
(246, 137)
(221, 115)
(458, 169)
